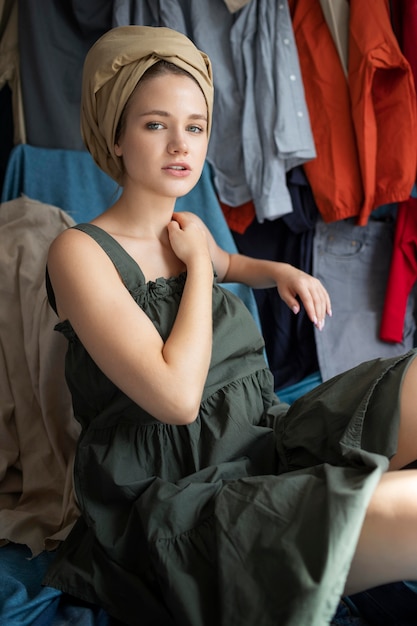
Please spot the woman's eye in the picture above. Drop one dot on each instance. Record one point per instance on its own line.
(154, 125)
(195, 129)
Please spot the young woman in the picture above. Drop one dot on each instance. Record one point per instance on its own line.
(204, 500)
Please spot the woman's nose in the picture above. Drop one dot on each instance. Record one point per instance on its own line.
(178, 145)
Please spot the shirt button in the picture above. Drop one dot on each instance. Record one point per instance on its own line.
(293, 77)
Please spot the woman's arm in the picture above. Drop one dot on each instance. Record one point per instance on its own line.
(166, 379)
(293, 284)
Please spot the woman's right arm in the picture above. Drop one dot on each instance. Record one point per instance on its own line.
(166, 379)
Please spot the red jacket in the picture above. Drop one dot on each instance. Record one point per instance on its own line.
(403, 269)
(361, 125)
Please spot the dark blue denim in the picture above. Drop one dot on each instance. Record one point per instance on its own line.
(388, 605)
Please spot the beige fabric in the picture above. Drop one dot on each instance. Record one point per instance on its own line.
(38, 432)
(235, 5)
(336, 13)
(9, 65)
(112, 69)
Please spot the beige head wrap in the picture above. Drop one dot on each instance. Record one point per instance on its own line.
(112, 69)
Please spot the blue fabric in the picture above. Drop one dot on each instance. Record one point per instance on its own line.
(70, 180)
(22, 599)
(388, 605)
(347, 615)
(25, 602)
(292, 392)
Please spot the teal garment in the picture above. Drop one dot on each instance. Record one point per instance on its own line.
(248, 516)
(293, 392)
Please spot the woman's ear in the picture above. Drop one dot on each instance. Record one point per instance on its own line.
(117, 150)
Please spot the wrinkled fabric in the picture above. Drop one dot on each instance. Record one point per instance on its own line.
(364, 125)
(112, 69)
(276, 131)
(235, 5)
(38, 432)
(401, 278)
(353, 262)
(249, 515)
(53, 43)
(336, 13)
(403, 270)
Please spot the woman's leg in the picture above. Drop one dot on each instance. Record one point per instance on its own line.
(387, 547)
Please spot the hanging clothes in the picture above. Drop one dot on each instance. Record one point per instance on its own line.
(289, 339)
(235, 5)
(38, 432)
(336, 13)
(240, 217)
(276, 131)
(353, 263)
(261, 128)
(361, 125)
(402, 273)
(53, 42)
(403, 269)
(10, 65)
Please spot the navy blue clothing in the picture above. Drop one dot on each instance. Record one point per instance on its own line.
(289, 339)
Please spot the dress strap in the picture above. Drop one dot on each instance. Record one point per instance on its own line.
(129, 270)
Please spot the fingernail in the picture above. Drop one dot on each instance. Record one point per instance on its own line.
(295, 309)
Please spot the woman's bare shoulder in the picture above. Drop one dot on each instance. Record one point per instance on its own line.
(73, 249)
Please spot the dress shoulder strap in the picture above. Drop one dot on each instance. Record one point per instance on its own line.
(129, 270)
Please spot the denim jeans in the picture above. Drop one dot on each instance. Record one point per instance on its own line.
(353, 264)
(388, 605)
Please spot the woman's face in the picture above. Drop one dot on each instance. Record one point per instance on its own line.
(164, 140)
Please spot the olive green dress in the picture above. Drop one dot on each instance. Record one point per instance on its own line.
(248, 516)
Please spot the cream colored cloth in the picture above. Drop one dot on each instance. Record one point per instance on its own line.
(235, 5)
(38, 432)
(336, 13)
(112, 69)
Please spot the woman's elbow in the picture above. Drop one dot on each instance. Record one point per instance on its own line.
(187, 413)
(182, 412)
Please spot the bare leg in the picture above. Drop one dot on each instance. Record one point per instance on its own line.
(387, 547)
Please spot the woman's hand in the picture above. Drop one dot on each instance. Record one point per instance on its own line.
(165, 376)
(294, 285)
(188, 237)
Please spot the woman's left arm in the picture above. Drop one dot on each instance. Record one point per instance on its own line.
(293, 284)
